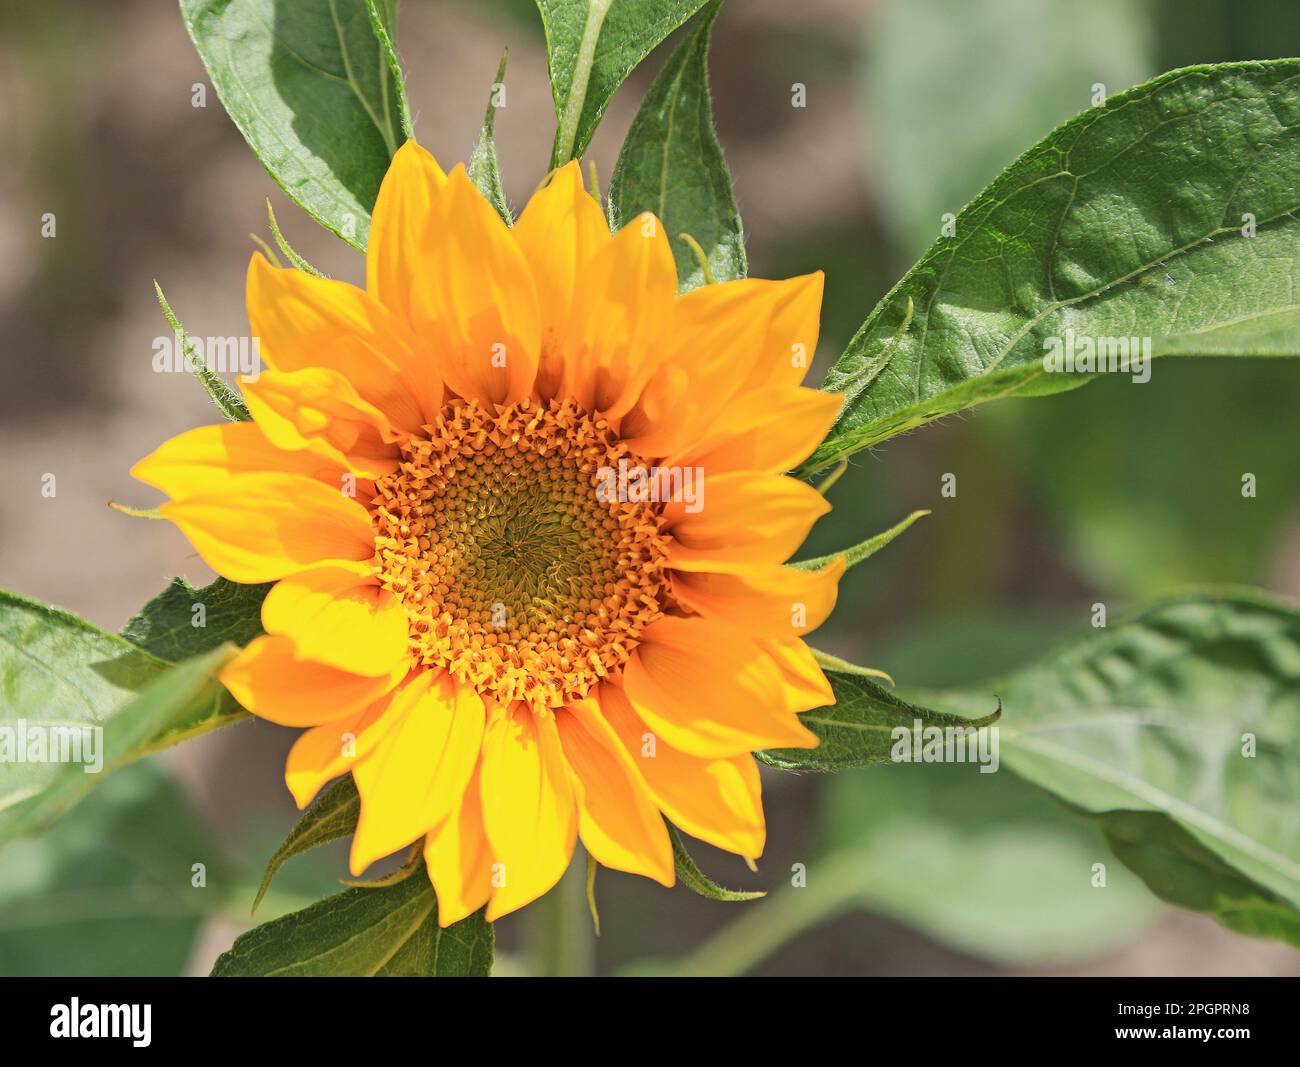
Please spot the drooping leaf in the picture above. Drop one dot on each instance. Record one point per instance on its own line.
(1132, 220)
(182, 621)
(117, 701)
(315, 94)
(591, 47)
(672, 164)
(858, 728)
(690, 875)
(110, 891)
(385, 932)
(1178, 730)
(333, 815)
(484, 169)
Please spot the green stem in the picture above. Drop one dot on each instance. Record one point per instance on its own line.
(561, 943)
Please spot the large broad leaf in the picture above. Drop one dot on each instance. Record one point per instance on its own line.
(858, 729)
(672, 164)
(591, 46)
(111, 890)
(1130, 221)
(1179, 731)
(391, 931)
(57, 670)
(313, 89)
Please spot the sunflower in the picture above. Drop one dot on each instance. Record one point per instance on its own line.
(525, 512)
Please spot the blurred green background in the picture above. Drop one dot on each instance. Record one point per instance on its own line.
(1110, 494)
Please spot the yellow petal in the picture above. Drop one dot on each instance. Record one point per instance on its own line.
(328, 751)
(559, 232)
(622, 303)
(459, 860)
(205, 460)
(274, 684)
(418, 773)
(264, 526)
(304, 321)
(474, 305)
(743, 517)
(318, 407)
(715, 800)
(709, 690)
(403, 210)
(339, 615)
(764, 598)
(529, 809)
(618, 821)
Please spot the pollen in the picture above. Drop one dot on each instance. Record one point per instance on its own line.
(516, 576)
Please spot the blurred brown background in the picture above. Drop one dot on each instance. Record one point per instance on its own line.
(1106, 494)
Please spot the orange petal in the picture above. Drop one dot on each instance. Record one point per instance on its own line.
(559, 232)
(304, 321)
(710, 690)
(743, 517)
(803, 675)
(205, 460)
(618, 820)
(623, 301)
(418, 772)
(328, 751)
(764, 598)
(529, 808)
(474, 304)
(274, 684)
(338, 615)
(459, 860)
(264, 526)
(715, 800)
(771, 429)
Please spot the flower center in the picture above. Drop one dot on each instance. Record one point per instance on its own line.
(515, 575)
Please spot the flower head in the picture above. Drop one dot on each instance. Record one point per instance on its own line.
(525, 510)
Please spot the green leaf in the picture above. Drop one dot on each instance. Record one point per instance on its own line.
(672, 164)
(863, 550)
(1123, 222)
(1155, 716)
(172, 626)
(985, 863)
(591, 47)
(316, 95)
(690, 875)
(109, 891)
(227, 400)
(386, 932)
(857, 729)
(59, 670)
(484, 169)
(332, 816)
